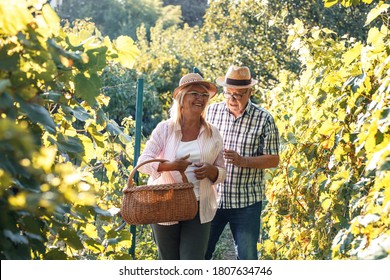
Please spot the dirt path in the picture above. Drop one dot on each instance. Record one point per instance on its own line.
(225, 247)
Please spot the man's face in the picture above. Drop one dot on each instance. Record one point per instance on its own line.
(237, 99)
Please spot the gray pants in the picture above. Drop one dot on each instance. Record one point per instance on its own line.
(186, 240)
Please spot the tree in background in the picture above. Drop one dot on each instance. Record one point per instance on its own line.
(114, 18)
(346, 19)
(109, 16)
(254, 33)
(192, 12)
(120, 84)
(147, 13)
(248, 33)
(167, 55)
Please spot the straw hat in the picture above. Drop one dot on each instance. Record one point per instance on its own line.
(237, 77)
(195, 78)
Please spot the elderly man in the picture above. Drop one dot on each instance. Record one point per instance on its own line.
(251, 144)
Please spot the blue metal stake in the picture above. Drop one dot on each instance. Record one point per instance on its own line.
(196, 70)
(137, 148)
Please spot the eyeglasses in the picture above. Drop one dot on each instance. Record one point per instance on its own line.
(196, 94)
(235, 96)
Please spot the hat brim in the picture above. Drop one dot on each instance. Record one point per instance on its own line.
(221, 82)
(211, 88)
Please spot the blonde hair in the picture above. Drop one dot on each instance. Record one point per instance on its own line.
(176, 109)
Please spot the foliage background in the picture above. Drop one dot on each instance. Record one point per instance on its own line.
(67, 107)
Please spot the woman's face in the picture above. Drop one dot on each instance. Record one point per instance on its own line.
(195, 100)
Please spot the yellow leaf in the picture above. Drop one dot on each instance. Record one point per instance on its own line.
(334, 79)
(343, 175)
(339, 180)
(127, 51)
(268, 245)
(328, 144)
(51, 18)
(44, 159)
(95, 248)
(370, 144)
(335, 185)
(326, 204)
(327, 128)
(374, 13)
(125, 243)
(385, 183)
(317, 113)
(297, 104)
(15, 16)
(272, 221)
(352, 54)
(273, 234)
(321, 178)
(85, 198)
(330, 3)
(91, 231)
(376, 39)
(89, 149)
(18, 200)
(112, 166)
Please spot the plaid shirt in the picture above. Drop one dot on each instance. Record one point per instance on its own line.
(252, 134)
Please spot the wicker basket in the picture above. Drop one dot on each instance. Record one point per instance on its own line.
(150, 204)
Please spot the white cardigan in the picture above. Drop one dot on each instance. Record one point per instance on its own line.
(164, 142)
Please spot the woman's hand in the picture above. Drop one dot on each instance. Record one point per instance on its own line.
(179, 164)
(206, 170)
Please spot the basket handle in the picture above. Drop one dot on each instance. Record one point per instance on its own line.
(130, 182)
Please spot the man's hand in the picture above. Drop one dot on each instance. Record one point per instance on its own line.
(234, 158)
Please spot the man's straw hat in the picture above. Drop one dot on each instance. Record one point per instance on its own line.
(237, 77)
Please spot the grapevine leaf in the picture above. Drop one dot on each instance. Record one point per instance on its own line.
(127, 51)
(71, 238)
(352, 54)
(87, 88)
(6, 100)
(15, 237)
(96, 135)
(114, 129)
(9, 62)
(78, 112)
(330, 3)
(55, 254)
(38, 114)
(377, 11)
(69, 144)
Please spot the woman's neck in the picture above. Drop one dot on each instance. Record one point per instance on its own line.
(190, 129)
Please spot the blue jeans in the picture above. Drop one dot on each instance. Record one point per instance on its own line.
(245, 226)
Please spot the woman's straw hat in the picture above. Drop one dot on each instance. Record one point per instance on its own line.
(195, 78)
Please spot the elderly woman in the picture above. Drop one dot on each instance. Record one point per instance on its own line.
(191, 145)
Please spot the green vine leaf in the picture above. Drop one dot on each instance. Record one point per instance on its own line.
(38, 114)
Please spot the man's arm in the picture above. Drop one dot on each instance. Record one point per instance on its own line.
(260, 162)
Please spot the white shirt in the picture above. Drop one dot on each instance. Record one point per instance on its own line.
(189, 148)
